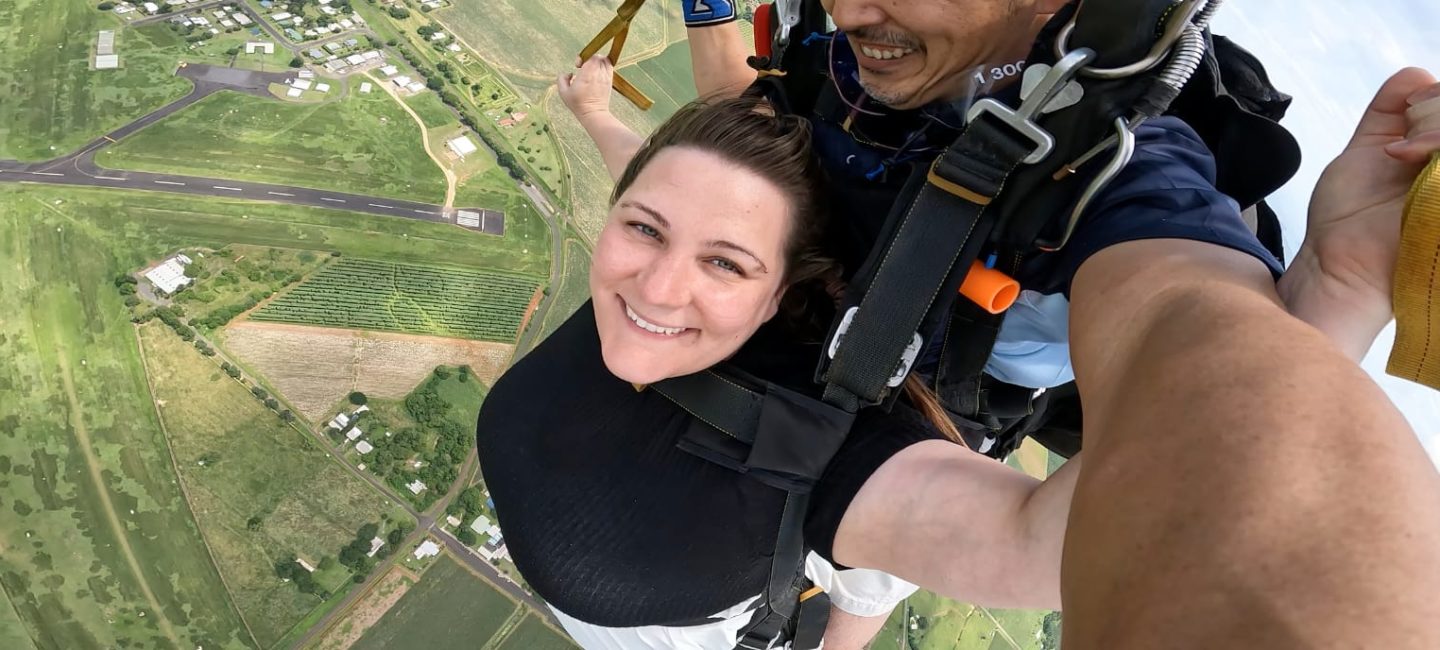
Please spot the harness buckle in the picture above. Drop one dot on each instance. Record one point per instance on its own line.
(787, 15)
(907, 358)
(1022, 120)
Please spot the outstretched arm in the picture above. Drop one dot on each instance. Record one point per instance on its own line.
(586, 93)
(717, 49)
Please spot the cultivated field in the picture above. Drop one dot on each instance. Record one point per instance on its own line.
(666, 78)
(385, 296)
(98, 547)
(367, 611)
(315, 367)
(363, 143)
(541, 38)
(451, 608)
(238, 462)
(534, 635)
(235, 278)
(573, 289)
(53, 102)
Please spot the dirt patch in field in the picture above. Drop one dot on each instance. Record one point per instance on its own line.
(314, 367)
(368, 611)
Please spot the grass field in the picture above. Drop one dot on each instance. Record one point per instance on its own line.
(99, 546)
(385, 296)
(666, 78)
(253, 466)
(540, 38)
(153, 224)
(53, 102)
(388, 590)
(573, 289)
(364, 143)
(534, 635)
(232, 279)
(213, 51)
(433, 112)
(451, 608)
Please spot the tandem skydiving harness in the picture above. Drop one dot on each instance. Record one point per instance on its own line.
(1014, 183)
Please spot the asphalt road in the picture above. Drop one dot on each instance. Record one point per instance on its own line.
(80, 168)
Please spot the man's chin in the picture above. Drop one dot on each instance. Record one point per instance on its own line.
(892, 98)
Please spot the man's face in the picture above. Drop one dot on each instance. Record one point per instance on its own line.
(913, 52)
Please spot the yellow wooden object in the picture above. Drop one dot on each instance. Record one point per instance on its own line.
(615, 33)
(1416, 355)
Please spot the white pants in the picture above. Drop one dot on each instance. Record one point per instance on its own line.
(860, 592)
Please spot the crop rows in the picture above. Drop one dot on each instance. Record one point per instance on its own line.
(373, 295)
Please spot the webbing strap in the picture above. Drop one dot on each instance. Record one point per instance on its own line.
(781, 601)
(943, 230)
(1416, 355)
(716, 401)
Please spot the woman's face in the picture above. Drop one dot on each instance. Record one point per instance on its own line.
(688, 266)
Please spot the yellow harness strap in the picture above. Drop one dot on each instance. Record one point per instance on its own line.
(1416, 355)
(615, 33)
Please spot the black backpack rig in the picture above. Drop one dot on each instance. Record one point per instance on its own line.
(1013, 184)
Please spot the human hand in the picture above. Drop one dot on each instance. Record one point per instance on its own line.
(587, 91)
(1342, 275)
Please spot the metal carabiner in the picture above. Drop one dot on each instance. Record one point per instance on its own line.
(1124, 150)
(787, 16)
(1179, 20)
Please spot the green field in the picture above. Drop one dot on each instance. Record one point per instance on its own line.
(666, 79)
(371, 295)
(451, 608)
(254, 466)
(214, 51)
(539, 39)
(534, 635)
(364, 143)
(433, 112)
(235, 278)
(572, 292)
(100, 548)
(53, 102)
(150, 226)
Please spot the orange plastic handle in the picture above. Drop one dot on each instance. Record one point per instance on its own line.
(992, 290)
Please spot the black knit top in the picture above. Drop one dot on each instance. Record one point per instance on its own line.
(614, 525)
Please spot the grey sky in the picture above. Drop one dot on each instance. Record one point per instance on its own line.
(1332, 55)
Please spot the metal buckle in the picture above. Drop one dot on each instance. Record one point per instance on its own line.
(907, 358)
(787, 14)
(1124, 141)
(1179, 20)
(1022, 120)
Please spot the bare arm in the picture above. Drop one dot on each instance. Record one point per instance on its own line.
(846, 631)
(961, 525)
(1246, 485)
(717, 58)
(587, 94)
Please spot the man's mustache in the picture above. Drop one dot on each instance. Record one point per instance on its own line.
(885, 37)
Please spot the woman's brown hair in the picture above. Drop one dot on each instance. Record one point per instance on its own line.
(749, 133)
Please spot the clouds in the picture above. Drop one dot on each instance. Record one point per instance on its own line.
(1332, 55)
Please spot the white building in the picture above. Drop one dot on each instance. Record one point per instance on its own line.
(283, 15)
(364, 448)
(305, 74)
(414, 86)
(480, 525)
(152, 8)
(355, 59)
(452, 520)
(389, 70)
(375, 545)
(169, 276)
(401, 81)
(427, 549)
(324, 88)
(106, 43)
(302, 84)
(242, 19)
(353, 434)
(305, 565)
(340, 421)
(417, 487)
(365, 86)
(265, 47)
(107, 62)
(294, 92)
(462, 146)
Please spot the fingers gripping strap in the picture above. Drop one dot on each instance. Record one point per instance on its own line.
(1416, 355)
(699, 13)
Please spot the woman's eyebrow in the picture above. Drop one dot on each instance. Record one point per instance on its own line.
(738, 248)
(628, 203)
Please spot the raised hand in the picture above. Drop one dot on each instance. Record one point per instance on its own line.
(587, 91)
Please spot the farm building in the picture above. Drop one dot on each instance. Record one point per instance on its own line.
(353, 434)
(106, 42)
(264, 47)
(365, 86)
(107, 62)
(462, 146)
(375, 545)
(401, 81)
(294, 92)
(389, 70)
(426, 549)
(301, 84)
(305, 565)
(169, 275)
(324, 88)
(340, 422)
(364, 448)
(305, 74)
(416, 487)
(414, 86)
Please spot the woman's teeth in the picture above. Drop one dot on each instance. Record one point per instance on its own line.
(649, 327)
(883, 53)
